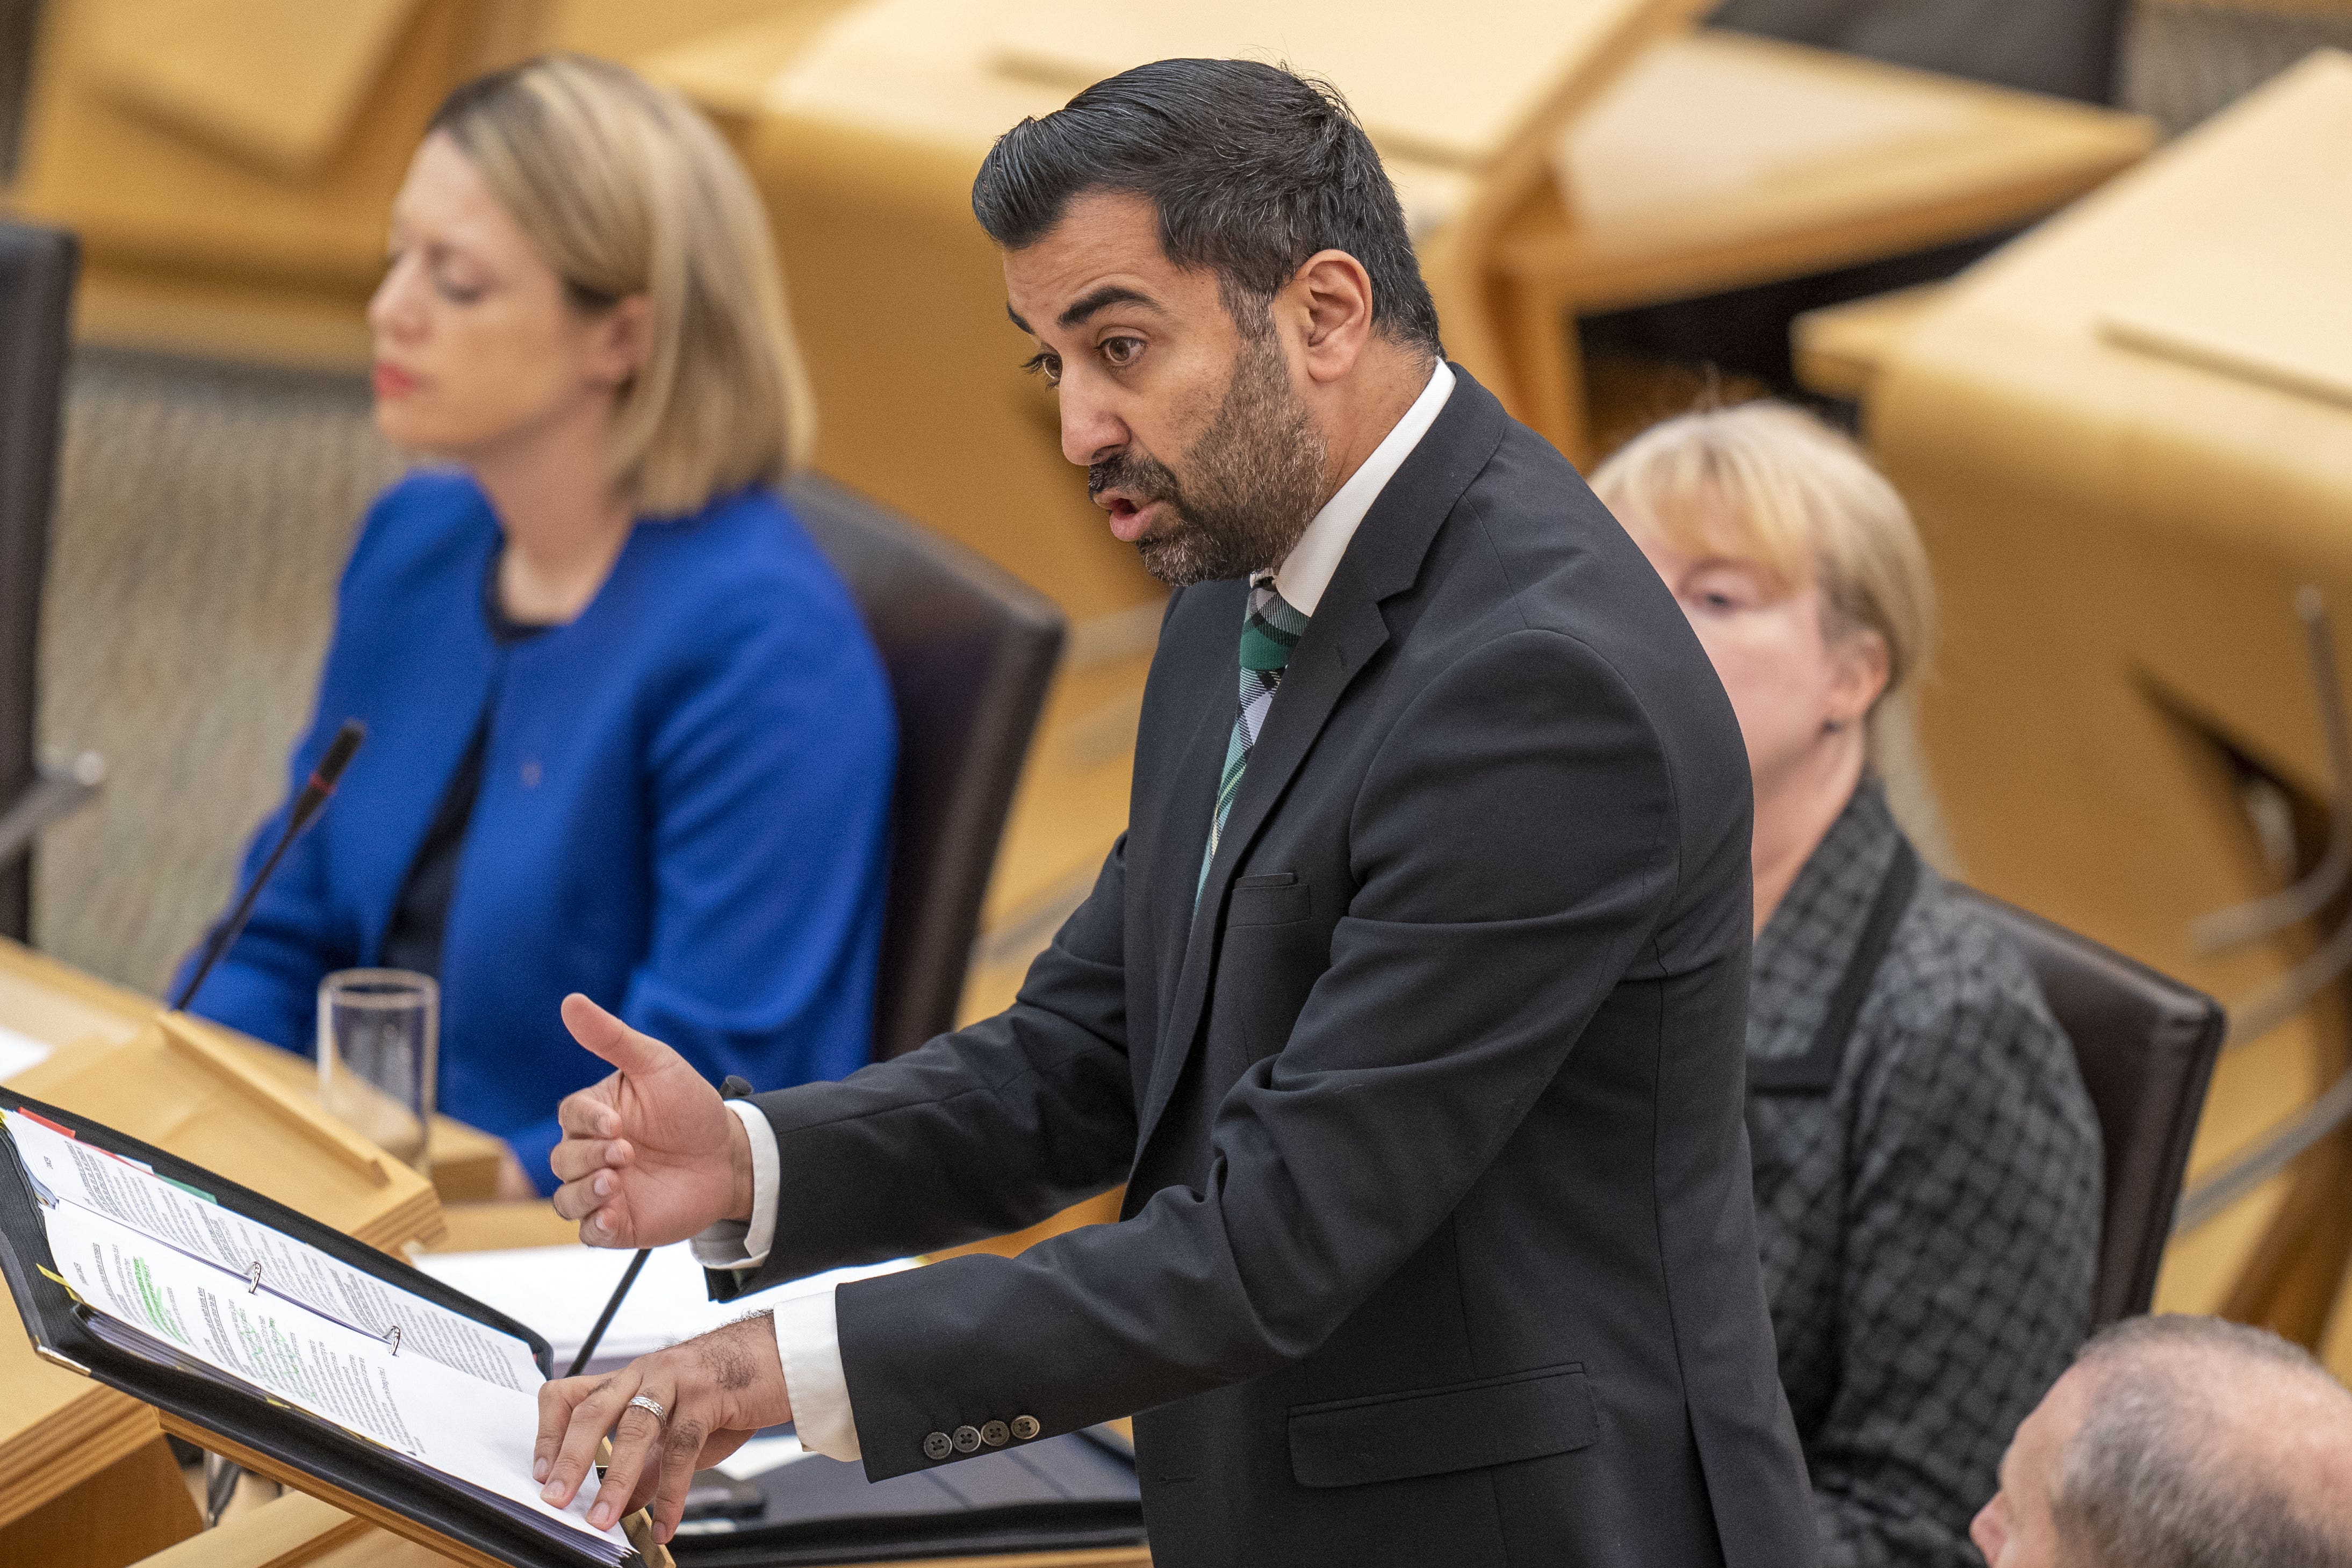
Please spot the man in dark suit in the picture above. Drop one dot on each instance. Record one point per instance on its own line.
(1410, 1008)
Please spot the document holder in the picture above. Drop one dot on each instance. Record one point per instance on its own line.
(305, 1452)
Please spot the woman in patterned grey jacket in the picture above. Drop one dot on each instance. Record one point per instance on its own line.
(1928, 1174)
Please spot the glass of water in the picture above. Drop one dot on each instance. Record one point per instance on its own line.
(379, 1032)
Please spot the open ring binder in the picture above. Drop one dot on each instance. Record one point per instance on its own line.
(269, 1435)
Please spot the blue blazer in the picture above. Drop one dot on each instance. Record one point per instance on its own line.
(684, 808)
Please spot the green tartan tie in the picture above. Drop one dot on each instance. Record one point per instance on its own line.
(1270, 630)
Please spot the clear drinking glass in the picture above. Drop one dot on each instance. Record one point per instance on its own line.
(379, 1035)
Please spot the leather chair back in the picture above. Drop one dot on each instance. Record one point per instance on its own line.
(36, 283)
(970, 651)
(2146, 1046)
(2069, 47)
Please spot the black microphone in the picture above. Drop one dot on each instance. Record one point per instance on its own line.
(307, 805)
(733, 1088)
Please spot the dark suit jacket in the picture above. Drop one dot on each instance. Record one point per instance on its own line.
(1438, 1244)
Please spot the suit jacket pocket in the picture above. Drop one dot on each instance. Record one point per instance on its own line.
(1274, 899)
(1435, 1431)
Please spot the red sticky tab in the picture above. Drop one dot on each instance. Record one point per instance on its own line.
(63, 1132)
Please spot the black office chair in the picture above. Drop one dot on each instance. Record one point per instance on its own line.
(2145, 1046)
(37, 284)
(19, 25)
(970, 652)
(2068, 47)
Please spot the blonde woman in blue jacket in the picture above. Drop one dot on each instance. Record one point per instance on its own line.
(627, 735)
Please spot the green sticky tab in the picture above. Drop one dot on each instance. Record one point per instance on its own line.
(192, 1192)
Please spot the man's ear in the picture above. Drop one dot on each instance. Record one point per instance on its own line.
(623, 340)
(1331, 297)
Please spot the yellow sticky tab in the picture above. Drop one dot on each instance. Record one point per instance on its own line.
(62, 1284)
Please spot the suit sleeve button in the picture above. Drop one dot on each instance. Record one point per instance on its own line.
(994, 1433)
(937, 1447)
(1025, 1428)
(966, 1439)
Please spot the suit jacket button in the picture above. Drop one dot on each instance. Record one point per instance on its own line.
(994, 1433)
(937, 1445)
(1025, 1428)
(966, 1439)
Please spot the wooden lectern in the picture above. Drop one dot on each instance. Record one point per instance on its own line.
(2127, 438)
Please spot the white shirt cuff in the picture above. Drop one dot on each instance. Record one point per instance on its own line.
(808, 1343)
(734, 1243)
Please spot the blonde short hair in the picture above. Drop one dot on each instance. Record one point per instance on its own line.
(1771, 486)
(626, 190)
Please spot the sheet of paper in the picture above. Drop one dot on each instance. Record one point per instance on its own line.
(558, 1291)
(760, 1456)
(477, 1433)
(20, 1053)
(93, 1179)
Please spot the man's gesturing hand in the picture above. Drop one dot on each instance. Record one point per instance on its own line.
(717, 1391)
(651, 1155)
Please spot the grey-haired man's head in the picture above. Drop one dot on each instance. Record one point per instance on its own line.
(2179, 1442)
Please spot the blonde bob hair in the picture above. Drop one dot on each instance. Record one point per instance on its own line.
(626, 190)
(1771, 486)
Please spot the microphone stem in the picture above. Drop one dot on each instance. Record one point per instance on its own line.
(225, 933)
(312, 800)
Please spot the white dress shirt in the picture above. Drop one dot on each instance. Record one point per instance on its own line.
(808, 1340)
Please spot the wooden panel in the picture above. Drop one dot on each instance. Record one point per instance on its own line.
(2260, 292)
(135, 1506)
(1425, 85)
(271, 82)
(289, 1533)
(2118, 537)
(494, 1227)
(142, 193)
(1721, 159)
(1838, 348)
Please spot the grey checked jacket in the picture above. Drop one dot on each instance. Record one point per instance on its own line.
(1929, 1224)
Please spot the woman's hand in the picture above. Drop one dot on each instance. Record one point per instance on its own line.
(651, 1155)
(717, 1391)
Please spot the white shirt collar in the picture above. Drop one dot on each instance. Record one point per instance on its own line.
(1306, 571)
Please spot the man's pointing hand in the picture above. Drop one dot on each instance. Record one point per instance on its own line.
(651, 1155)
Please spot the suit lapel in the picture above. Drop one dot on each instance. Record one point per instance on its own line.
(1177, 861)
(1348, 628)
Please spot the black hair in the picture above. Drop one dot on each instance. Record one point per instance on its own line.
(1252, 169)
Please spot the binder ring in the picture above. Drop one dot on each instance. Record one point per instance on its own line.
(653, 1407)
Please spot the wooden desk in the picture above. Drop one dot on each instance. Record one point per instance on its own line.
(66, 1009)
(1839, 349)
(2118, 532)
(1721, 160)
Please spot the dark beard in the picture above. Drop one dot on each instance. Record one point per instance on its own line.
(1255, 478)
